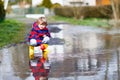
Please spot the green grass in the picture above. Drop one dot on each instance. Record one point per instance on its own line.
(11, 31)
(95, 22)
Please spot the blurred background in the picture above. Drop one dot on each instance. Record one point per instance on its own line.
(85, 43)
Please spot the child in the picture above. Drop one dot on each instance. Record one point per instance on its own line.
(38, 40)
(38, 32)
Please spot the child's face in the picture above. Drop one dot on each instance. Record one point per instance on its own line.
(41, 26)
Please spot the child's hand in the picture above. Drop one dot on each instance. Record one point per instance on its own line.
(46, 39)
(43, 46)
(33, 42)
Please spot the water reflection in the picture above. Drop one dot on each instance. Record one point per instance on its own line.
(14, 63)
(80, 53)
(88, 55)
(20, 61)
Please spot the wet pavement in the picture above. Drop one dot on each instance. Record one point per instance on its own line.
(75, 53)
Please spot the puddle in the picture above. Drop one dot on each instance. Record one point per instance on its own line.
(75, 53)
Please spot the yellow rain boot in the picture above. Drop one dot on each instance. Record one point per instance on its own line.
(45, 54)
(45, 51)
(31, 52)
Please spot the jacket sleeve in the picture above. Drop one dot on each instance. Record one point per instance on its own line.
(34, 35)
(47, 33)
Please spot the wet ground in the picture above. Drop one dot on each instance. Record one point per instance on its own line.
(75, 53)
